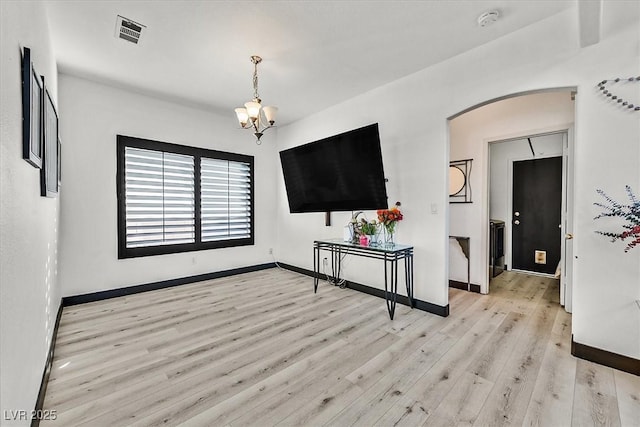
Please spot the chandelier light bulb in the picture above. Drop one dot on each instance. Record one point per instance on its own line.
(270, 113)
(253, 109)
(242, 115)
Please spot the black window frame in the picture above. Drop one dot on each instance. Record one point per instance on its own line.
(124, 141)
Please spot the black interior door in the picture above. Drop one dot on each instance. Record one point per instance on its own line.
(536, 216)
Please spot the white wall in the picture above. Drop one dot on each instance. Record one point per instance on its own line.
(409, 153)
(93, 115)
(413, 112)
(29, 285)
(470, 135)
(501, 158)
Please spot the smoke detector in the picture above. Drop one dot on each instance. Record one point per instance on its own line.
(129, 30)
(488, 18)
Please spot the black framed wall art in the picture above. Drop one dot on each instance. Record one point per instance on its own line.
(49, 172)
(31, 111)
(459, 181)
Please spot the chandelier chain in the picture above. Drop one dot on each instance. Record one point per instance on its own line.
(255, 81)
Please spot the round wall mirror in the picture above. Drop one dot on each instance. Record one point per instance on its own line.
(457, 180)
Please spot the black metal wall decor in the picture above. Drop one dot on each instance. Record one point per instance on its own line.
(31, 112)
(606, 91)
(459, 181)
(49, 171)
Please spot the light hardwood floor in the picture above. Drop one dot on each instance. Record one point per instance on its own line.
(262, 349)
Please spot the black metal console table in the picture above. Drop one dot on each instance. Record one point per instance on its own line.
(389, 254)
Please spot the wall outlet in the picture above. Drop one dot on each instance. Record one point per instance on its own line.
(270, 251)
(434, 208)
(325, 262)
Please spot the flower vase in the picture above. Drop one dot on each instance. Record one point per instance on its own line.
(372, 239)
(389, 234)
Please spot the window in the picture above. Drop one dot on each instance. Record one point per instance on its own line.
(173, 198)
(225, 190)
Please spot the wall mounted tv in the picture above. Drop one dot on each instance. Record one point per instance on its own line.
(340, 173)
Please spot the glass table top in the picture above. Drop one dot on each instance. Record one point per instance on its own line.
(380, 247)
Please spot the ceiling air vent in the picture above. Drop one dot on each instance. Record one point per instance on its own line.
(128, 30)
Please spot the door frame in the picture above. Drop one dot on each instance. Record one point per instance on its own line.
(567, 195)
(566, 277)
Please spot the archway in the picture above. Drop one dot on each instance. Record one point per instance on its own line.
(471, 132)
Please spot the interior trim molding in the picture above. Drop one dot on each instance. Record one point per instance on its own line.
(567, 89)
(130, 290)
(463, 285)
(606, 358)
(419, 304)
(35, 421)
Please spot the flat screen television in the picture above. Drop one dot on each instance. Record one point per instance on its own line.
(340, 173)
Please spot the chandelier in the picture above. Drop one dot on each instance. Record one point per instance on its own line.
(254, 116)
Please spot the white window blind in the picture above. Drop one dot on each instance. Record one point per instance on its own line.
(159, 198)
(225, 199)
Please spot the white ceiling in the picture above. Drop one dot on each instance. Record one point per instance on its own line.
(316, 53)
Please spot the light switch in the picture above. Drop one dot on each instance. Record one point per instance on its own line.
(434, 208)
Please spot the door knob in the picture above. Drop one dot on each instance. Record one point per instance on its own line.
(568, 236)
(516, 222)
(517, 214)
